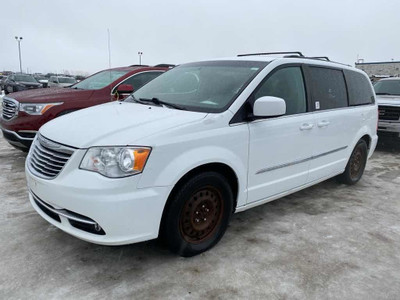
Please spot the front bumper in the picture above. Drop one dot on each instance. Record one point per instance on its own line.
(125, 213)
(389, 126)
(21, 139)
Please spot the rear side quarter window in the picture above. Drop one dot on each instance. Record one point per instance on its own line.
(360, 89)
(329, 88)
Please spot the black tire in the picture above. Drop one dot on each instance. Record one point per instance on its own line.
(185, 227)
(356, 164)
(6, 90)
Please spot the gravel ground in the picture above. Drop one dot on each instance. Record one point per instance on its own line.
(329, 241)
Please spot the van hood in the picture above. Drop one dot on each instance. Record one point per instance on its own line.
(29, 83)
(50, 95)
(388, 100)
(115, 124)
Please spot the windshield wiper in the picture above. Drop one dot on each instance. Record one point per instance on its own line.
(388, 94)
(157, 101)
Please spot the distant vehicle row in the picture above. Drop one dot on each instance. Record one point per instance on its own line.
(388, 98)
(20, 82)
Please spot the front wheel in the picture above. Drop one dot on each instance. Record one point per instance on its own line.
(356, 164)
(198, 214)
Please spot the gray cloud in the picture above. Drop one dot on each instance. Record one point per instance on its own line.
(72, 35)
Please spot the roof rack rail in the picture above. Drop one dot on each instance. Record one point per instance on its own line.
(320, 57)
(165, 66)
(139, 66)
(298, 53)
(295, 54)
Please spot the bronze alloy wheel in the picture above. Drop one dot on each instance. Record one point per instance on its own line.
(356, 162)
(201, 215)
(197, 214)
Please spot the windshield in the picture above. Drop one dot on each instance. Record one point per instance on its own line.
(205, 86)
(387, 87)
(66, 80)
(99, 80)
(25, 78)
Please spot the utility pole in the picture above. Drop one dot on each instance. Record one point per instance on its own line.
(19, 39)
(140, 57)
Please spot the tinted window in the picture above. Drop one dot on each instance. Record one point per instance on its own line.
(359, 87)
(139, 80)
(287, 84)
(329, 88)
(387, 87)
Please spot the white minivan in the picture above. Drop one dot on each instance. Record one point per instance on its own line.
(60, 81)
(198, 143)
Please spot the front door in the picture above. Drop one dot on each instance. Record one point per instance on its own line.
(280, 147)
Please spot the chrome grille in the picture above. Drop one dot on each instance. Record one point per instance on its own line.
(47, 158)
(390, 113)
(10, 108)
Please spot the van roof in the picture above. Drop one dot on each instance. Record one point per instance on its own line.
(288, 59)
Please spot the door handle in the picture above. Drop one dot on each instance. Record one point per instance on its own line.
(323, 123)
(306, 126)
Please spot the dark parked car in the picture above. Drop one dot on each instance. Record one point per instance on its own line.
(20, 82)
(42, 79)
(25, 112)
(3, 78)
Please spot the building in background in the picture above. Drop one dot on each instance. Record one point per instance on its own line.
(379, 70)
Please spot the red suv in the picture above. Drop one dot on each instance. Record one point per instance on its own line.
(26, 111)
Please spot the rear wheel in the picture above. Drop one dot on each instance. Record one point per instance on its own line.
(356, 164)
(198, 214)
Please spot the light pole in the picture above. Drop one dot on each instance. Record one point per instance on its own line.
(19, 39)
(140, 57)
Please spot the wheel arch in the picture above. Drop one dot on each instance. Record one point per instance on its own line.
(218, 167)
(363, 134)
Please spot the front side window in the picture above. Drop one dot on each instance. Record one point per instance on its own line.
(204, 86)
(387, 87)
(288, 84)
(139, 80)
(329, 88)
(99, 80)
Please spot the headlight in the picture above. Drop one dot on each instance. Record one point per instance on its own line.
(37, 108)
(115, 162)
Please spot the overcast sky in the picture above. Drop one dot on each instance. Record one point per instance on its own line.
(72, 35)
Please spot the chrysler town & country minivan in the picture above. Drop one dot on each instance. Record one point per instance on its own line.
(198, 143)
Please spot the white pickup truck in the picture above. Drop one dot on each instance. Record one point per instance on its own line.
(388, 97)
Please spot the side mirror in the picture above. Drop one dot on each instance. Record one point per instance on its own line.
(125, 88)
(269, 106)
